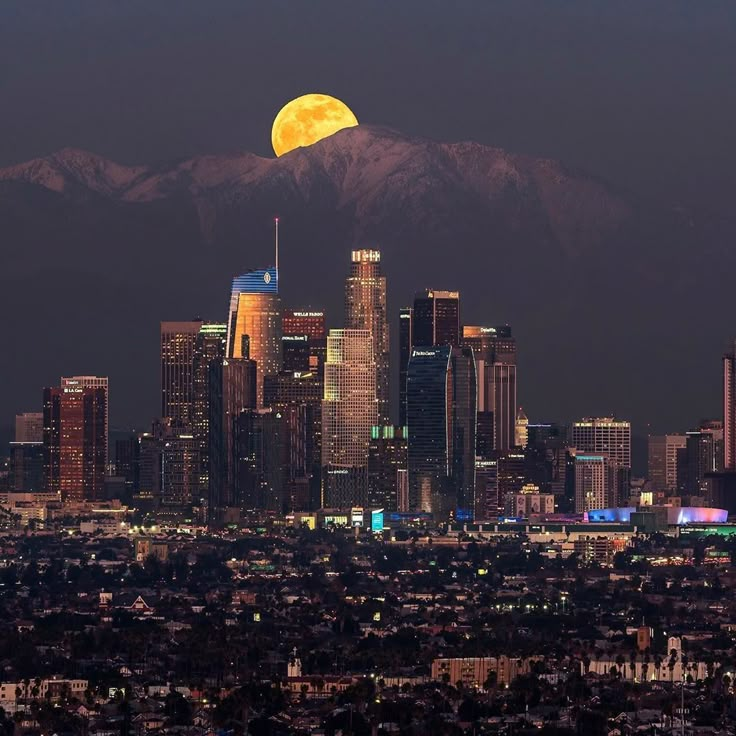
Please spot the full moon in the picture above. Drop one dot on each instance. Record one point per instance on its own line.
(309, 119)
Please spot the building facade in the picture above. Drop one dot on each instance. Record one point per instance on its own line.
(178, 341)
(75, 442)
(662, 461)
(255, 323)
(365, 309)
(29, 427)
(387, 467)
(441, 416)
(349, 411)
(436, 318)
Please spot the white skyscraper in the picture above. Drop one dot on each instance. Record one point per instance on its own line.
(349, 410)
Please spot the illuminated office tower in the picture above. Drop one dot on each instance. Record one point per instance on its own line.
(305, 321)
(349, 410)
(310, 323)
(405, 343)
(75, 441)
(209, 347)
(29, 427)
(441, 416)
(662, 461)
(232, 387)
(365, 309)
(729, 410)
(255, 314)
(387, 467)
(94, 382)
(595, 482)
(178, 342)
(436, 318)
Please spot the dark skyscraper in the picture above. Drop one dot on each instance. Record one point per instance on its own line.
(405, 343)
(436, 318)
(495, 354)
(75, 442)
(26, 466)
(261, 447)
(441, 413)
(178, 340)
(298, 396)
(365, 309)
(387, 467)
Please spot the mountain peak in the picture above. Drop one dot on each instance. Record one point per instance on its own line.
(73, 170)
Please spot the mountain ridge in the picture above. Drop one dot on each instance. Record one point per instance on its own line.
(112, 249)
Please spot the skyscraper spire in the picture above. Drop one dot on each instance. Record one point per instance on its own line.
(276, 224)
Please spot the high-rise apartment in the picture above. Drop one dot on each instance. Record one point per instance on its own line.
(178, 342)
(662, 461)
(75, 441)
(441, 416)
(595, 482)
(349, 410)
(365, 309)
(436, 318)
(255, 320)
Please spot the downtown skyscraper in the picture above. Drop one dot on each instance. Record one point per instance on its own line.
(75, 441)
(436, 318)
(254, 323)
(365, 309)
(178, 342)
(442, 416)
(494, 349)
(349, 411)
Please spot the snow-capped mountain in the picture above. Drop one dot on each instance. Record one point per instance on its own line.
(96, 253)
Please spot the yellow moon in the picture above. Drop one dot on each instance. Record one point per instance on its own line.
(309, 119)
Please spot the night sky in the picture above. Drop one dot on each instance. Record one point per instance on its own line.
(640, 94)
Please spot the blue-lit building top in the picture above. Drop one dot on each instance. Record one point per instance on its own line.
(260, 281)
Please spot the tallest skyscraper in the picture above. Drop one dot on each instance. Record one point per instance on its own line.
(365, 309)
(254, 323)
